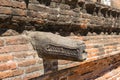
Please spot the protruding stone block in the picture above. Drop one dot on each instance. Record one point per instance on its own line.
(53, 46)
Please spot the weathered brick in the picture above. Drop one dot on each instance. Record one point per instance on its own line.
(5, 3)
(110, 75)
(14, 48)
(93, 50)
(8, 66)
(11, 73)
(92, 55)
(34, 68)
(64, 7)
(27, 63)
(17, 4)
(40, 15)
(53, 12)
(62, 62)
(17, 72)
(109, 47)
(14, 40)
(24, 54)
(5, 10)
(5, 74)
(53, 17)
(38, 8)
(32, 75)
(19, 12)
(14, 78)
(1, 42)
(64, 18)
(5, 57)
(116, 77)
(116, 3)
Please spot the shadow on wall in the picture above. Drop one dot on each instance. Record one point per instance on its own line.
(46, 2)
(50, 65)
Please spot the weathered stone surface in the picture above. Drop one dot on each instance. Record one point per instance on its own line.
(54, 46)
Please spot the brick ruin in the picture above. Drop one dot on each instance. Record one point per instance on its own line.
(96, 25)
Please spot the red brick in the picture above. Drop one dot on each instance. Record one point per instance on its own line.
(92, 50)
(5, 10)
(23, 54)
(89, 46)
(19, 12)
(11, 73)
(18, 78)
(1, 42)
(17, 4)
(17, 72)
(90, 55)
(73, 64)
(62, 62)
(14, 48)
(27, 63)
(116, 3)
(106, 76)
(116, 77)
(5, 57)
(109, 47)
(34, 68)
(15, 78)
(101, 78)
(14, 40)
(32, 75)
(111, 75)
(5, 74)
(7, 66)
(5, 3)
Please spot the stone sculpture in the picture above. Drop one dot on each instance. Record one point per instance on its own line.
(52, 46)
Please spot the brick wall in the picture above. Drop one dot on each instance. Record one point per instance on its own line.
(19, 61)
(116, 3)
(57, 15)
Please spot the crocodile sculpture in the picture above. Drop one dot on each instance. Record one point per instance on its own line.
(53, 46)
